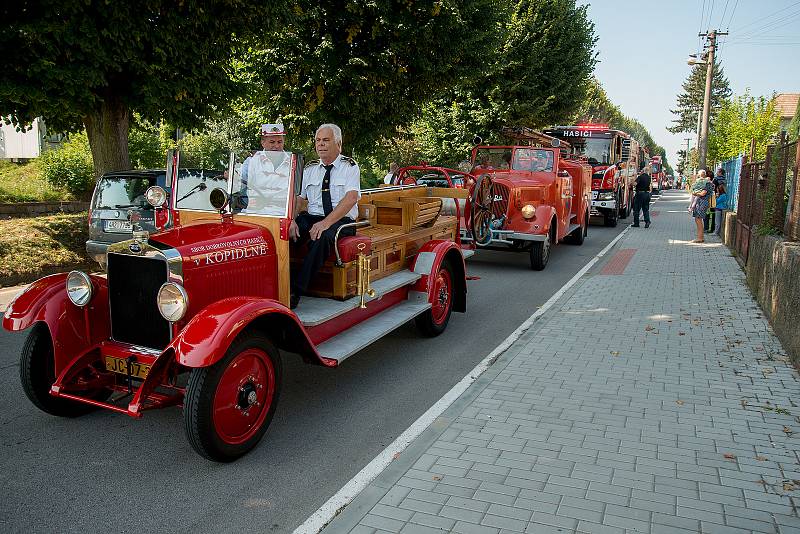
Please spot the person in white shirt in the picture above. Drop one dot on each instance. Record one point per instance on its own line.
(332, 186)
(392, 171)
(265, 174)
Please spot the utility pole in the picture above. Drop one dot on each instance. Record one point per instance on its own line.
(702, 147)
(686, 163)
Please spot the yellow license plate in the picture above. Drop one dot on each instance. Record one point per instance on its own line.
(119, 365)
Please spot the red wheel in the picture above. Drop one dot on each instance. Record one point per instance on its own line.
(434, 321)
(229, 405)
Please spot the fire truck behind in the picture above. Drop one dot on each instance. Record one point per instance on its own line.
(614, 157)
(657, 174)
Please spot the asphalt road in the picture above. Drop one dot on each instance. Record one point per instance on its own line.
(107, 472)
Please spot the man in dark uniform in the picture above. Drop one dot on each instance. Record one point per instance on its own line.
(642, 199)
(332, 186)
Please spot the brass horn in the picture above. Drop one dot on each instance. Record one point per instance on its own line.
(364, 288)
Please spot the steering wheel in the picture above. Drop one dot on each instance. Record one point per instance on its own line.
(481, 210)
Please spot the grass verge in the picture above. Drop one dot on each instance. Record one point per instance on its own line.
(23, 182)
(37, 246)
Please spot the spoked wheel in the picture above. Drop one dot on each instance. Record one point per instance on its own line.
(434, 321)
(37, 374)
(481, 210)
(229, 405)
(540, 253)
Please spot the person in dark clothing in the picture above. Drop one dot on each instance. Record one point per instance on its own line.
(332, 187)
(709, 221)
(642, 199)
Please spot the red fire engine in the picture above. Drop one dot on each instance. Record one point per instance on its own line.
(614, 157)
(657, 174)
(537, 195)
(194, 315)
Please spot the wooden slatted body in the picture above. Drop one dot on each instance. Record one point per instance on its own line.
(401, 221)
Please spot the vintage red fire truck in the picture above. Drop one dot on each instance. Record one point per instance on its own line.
(614, 157)
(195, 315)
(537, 195)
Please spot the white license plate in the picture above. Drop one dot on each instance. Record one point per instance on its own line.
(118, 226)
(594, 195)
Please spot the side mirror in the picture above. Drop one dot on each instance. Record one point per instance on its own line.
(218, 198)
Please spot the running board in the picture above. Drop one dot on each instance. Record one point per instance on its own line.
(313, 311)
(467, 253)
(354, 339)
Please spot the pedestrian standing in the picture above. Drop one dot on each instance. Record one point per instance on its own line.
(641, 201)
(709, 220)
(702, 190)
(722, 205)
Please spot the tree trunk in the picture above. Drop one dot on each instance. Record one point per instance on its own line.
(107, 129)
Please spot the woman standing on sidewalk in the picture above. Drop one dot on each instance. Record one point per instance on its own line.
(701, 191)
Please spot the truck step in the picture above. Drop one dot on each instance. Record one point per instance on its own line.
(572, 228)
(350, 341)
(315, 310)
(573, 216)
(467, 253)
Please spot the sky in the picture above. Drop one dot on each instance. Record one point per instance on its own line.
(643, 46)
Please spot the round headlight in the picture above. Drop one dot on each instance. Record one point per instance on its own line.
(79, 288)
(528, 211)
(172, 302)
(156, 196)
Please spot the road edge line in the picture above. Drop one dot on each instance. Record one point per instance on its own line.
(331, 508)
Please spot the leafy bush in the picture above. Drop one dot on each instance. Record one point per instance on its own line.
(70, 167)
(146, 148)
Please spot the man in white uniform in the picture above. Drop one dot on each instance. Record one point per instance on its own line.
(332, 186)
(265, 175)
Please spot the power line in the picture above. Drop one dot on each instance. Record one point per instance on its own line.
(739, 29)
(728, 27)
(769, 26)
(710, 13)
(724, 11)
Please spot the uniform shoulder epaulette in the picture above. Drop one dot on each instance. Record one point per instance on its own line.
(313, 162)
(349, 160)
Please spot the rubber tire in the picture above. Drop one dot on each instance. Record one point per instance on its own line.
(578, 235)
(540, 253)
(425, 322)
(37, 374)
(611, 222)
(199, 400)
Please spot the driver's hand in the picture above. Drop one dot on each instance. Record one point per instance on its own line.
(317, 229)
(294, 231)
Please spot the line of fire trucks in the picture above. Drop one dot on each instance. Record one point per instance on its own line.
(194, 312)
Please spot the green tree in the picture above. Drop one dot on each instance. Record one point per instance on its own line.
(793, 130)
(367, 66)
(690, 101)
(537, 76)
(87, 63)
(739, 121)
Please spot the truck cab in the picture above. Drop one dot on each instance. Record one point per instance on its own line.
(196, 313)
(537, 196)
(613, 155)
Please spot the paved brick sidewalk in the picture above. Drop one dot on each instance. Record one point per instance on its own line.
(655, 400)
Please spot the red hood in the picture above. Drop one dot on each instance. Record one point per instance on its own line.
(213, 236)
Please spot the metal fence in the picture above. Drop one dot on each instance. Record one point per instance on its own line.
(769, 195)
(733, 168)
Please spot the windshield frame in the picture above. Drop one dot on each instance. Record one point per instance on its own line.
(251, 189)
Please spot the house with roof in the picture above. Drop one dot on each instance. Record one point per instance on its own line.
(786, 104)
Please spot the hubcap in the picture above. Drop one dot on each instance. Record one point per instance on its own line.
(244, 396)
(441, 305)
